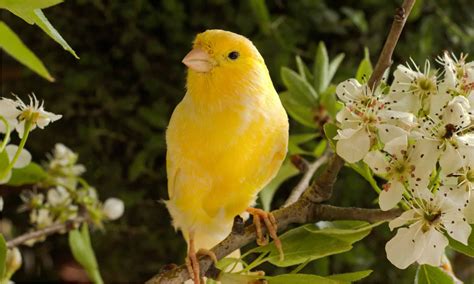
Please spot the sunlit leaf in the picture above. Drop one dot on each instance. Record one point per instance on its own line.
(351, 276)
(299, 89)
(365, 68)
(321, 68)
(311, 242)
(303, 70)
(333, 66)
(80, 244)
(13, 45)
(427, 274)
(32, 15)
(28, 4)
(301, 113)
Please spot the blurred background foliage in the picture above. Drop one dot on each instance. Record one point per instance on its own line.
(117, 99)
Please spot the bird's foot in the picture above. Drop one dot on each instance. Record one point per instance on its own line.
(209, 253)
(271, 224)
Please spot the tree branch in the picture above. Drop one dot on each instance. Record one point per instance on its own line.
(55, 228)
(385, 58)
(308, 208)
(306, 179)
(301, 212)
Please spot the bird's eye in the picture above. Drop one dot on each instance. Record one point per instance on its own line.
(233, 55)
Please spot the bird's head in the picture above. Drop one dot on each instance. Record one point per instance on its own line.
(223, 59)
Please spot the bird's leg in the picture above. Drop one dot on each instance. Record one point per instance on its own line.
(209, 253)
(270, 223)
(192, 262)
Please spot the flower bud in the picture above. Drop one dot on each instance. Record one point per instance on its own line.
(113, 208)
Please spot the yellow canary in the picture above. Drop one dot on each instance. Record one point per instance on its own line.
(226, 139)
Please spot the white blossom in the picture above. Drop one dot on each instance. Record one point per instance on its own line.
(58, 196)
(365, 120)
(422, 237)
(411, 88)
(447, 135)
(9, 111)
(113, 208)
(403, 166)
(33, 112)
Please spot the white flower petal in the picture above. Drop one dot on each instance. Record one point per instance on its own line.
(469, 210)
(434, 248)
(9, 108)
(389, 198)
(349, 91)
(377, 162)
(456, 225)
(388, 132)
(451, 160)
(406, 247)
(397, 146)
(424, 156)
(403, 219)
(23, 159)
(353, 148)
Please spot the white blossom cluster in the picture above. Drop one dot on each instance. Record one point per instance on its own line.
(418, 135)
(63, 194)
(68, 194)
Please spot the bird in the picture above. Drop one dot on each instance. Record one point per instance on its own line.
(226, 140)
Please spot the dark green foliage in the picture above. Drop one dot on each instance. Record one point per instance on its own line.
(117, 99)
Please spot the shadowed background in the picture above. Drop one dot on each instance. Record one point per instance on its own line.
(117, 99)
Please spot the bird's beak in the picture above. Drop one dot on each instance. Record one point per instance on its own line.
(199, 60)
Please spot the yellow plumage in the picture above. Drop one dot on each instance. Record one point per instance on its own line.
(226, 139)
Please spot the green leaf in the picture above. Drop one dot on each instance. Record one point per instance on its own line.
(13, 45)
(303, 70)
(351, 276)
(31, 174)
(329, 102)
(333, 66)
(296, 139)
(321, 68)
(299, 89)
(330, 130)
(36, 16)
(365, 68)
(462, 248)
(286, 171)
(28, 4)
(320, 148)
(80, 244)
(300, 279)
(297, 111)
(427, 274)
(3, 256)
(309, 242)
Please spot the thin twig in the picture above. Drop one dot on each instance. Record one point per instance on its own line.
(385, 58)
(308, 208)
(53, 229)
(305, 180)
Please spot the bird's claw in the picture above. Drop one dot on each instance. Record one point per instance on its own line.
(272, 227)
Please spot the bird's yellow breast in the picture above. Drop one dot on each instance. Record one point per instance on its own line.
(220, 156)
